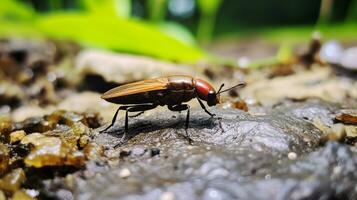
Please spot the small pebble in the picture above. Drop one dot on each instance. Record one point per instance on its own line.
(189, 147)
(88, 174)
(331, 52)
(267, 176)
(64, 194)
(155, 151)
(292, 155)
(124, 173)
(337, 170)
(351, 131)
(112, 153)
(113, 163)
(347, 116)
(339, 130)
(32, 192)
(17, 136)
(138, 151)
(349, 58)
(167, 196)
(83, 141)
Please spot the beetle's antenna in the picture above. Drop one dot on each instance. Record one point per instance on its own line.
(220, 88)
(238, 85)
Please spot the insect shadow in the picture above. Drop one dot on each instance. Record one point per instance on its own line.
(148, 125)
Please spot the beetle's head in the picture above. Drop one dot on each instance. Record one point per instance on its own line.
(206, 92)
(213, 98)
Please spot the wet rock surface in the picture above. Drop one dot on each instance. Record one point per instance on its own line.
(236, 155)
(220, 174)
(280, 130)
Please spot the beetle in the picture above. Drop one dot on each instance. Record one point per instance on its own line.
(172, 91)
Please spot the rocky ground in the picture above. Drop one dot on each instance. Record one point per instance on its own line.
(291, 133)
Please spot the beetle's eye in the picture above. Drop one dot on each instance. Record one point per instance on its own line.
(211, 94)
(211, 98)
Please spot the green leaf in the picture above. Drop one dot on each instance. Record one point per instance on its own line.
(113, 8)
(177, 31)
(117, 34)
(14, 10)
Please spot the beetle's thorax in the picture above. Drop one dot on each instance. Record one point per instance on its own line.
(180, 82)
(203, 88)
(206, 92)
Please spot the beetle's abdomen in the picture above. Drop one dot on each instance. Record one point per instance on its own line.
(180, 89)
(175, 97)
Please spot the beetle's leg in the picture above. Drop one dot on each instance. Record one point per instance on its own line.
(187, 118)
(131, 116)
(141, 108)
(114, 118)
(135, 108)
(138, 108)
(204, 108)
(126, 126)
(182, 107)
(125, 129)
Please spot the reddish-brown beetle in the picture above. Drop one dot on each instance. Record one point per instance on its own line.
(172, 91)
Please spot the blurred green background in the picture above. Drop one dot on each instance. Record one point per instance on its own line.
(176, 30)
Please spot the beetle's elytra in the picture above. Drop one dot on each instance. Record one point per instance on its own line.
(172, 91)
